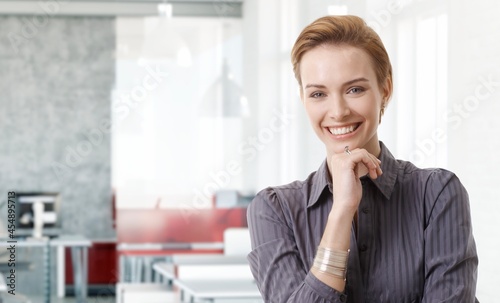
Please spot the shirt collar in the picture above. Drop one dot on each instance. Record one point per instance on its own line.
(385, 183)
(390, 167)
(319, 182)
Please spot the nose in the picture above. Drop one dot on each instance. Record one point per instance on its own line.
(338, 108)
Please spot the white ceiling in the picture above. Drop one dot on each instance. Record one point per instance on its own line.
(186, 8)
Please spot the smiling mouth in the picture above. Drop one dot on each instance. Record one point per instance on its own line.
(343, 130)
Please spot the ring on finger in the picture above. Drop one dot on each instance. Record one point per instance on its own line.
(346, 150)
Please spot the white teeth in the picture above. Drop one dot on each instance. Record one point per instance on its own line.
(341, 130)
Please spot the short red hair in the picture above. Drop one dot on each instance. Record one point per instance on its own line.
(347, 30)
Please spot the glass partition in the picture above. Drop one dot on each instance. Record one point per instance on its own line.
(177, 109)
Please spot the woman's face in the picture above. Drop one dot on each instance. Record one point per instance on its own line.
(342, 97)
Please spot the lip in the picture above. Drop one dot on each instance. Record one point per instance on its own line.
(345, 136)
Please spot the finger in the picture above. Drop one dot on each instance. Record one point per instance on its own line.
(378, 171)
(371, 162)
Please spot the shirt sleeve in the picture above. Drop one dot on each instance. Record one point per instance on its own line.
(450, 251)
(275, 261)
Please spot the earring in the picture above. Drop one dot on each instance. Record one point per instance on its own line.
(382, 109)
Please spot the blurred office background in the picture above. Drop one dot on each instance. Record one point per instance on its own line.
(144, 105)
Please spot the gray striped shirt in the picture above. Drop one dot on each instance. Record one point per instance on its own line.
(413, 241)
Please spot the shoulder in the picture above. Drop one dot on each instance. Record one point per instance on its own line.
(291, 197)
(408, 174)
(437, 190)
(430, 181)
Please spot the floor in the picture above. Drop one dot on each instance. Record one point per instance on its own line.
(10, 299)
(89, 300)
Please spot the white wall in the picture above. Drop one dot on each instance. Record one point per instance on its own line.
(472, 140)
(281, 147)
(270, 29)
(474, 134)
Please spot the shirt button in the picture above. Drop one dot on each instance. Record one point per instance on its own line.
(366, 210)
(363, 248)
(343, 298)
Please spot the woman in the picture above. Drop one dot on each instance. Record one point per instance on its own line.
(364, 227)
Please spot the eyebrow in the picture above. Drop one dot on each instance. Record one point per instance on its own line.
(345, 84)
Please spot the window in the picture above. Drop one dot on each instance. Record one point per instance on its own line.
(421, 89)
(170, 146)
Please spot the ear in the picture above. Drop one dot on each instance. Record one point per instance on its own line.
(386, 95)
(386, 91)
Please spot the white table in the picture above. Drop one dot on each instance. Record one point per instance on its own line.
(79, 256)
(134, 257)
(171, 246)
(210, 290)
(204, 288)
(167, 270)
(210, 259)
(42, 243)
(79, 252)
(216, 266)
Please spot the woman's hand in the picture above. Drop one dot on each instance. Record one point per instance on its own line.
(346, 169)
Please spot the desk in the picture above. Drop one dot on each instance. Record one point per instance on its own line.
(167, 270)
(136, 257)
(216, 266)
(207, 289)
(210, 259)
(210, 290)
(42, 243)
(170, 246)
(79, 246)
(79, 259)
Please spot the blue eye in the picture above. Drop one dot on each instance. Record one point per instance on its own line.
(317, 95)
(355, 90)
